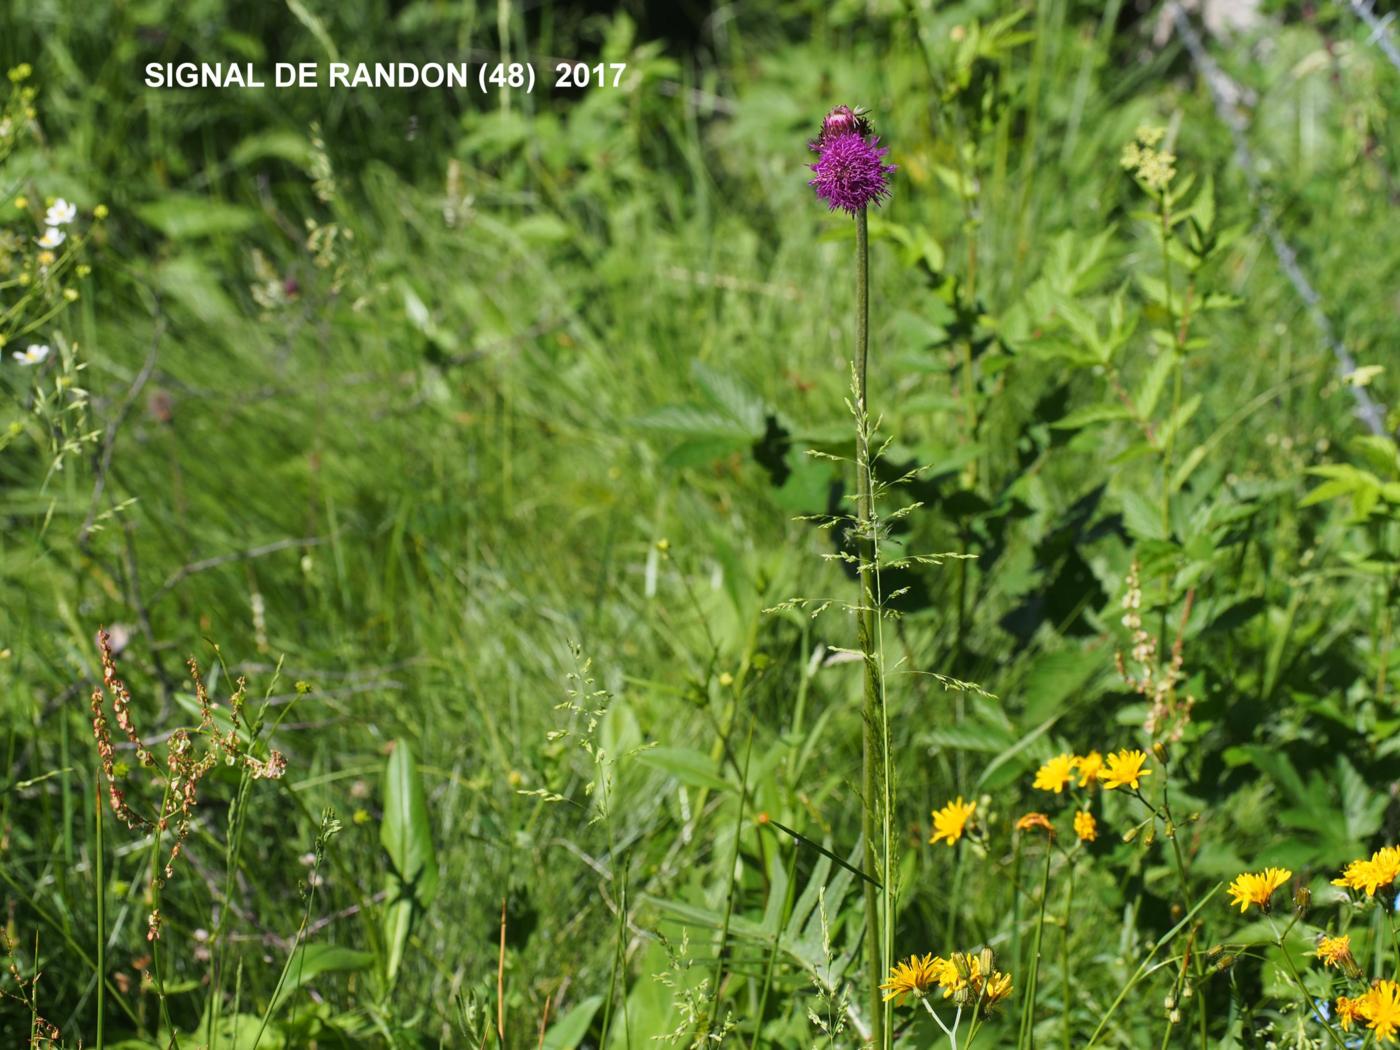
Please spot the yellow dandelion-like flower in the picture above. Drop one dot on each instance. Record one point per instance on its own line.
(1031, 821)
(1089, 766)
(1380, 870)
(1257, 887)
(996, 988)
(1085, 826)
(914, 977)
(1381, 1008)
(1124, 767)
(1055, 774)
(951, 821)
(1348, 1011)
(968, 978)
(1336, 951)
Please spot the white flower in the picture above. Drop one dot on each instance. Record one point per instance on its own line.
(32, 355)
(60, 213)
(52, 238)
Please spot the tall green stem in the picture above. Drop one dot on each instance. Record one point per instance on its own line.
(99, 871)
(871, 715)
(1027, 1034)
(1064, 951)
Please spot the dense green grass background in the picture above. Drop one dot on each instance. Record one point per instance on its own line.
(428, 378)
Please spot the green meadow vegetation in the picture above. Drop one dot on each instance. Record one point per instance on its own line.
(472, 574)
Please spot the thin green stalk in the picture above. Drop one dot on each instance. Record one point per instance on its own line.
(1026, 1037)
(1147, 961)
(1196, 964)
(1064, 951)
(951, 1033)
(1308, 1001)
(100, 873)
(873, 708)
(731, 874)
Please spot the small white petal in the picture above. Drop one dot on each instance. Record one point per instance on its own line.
(52, 238)
(60, 213)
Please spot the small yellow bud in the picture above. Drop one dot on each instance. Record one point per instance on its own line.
(83, 270)
(100, 212)
(71, 294)
(726, 679)
(21, 202)
(45, 258)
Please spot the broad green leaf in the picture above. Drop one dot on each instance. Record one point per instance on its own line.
(182, 216)
(407, 838)
(568, 1032)
(311, 960)
(687, 765)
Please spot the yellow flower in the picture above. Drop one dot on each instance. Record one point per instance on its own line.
(1381, 1009)
(996, 988)
(966, 980)
(1257, 887)
(1055, 774)
(1336, 951)
(950, 821)
(1089, 767)
(1348, 1010)
(1125, 767)
(1382, 869)
(1085, 826)
(914, 977)
(1036, 820)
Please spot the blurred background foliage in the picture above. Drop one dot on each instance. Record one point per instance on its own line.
(405, 389)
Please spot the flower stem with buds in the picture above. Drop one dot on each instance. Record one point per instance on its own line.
(872, 714)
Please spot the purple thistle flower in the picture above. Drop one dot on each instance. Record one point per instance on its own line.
(838, 122)
(850, 169)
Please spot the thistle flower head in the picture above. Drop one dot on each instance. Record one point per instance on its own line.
(850, 171)
(842, 120)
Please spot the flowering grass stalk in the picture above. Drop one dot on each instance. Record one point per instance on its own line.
(850, 174)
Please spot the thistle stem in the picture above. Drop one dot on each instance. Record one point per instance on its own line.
(874, 700)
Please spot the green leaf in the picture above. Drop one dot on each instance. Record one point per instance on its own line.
(407, 838)
(278, 143)
(311, 960)
(568, 1032)
(1142, 516)
(733, 396)
(182, 216)
(687, 765)
(1153, 384)
(1082, 417)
